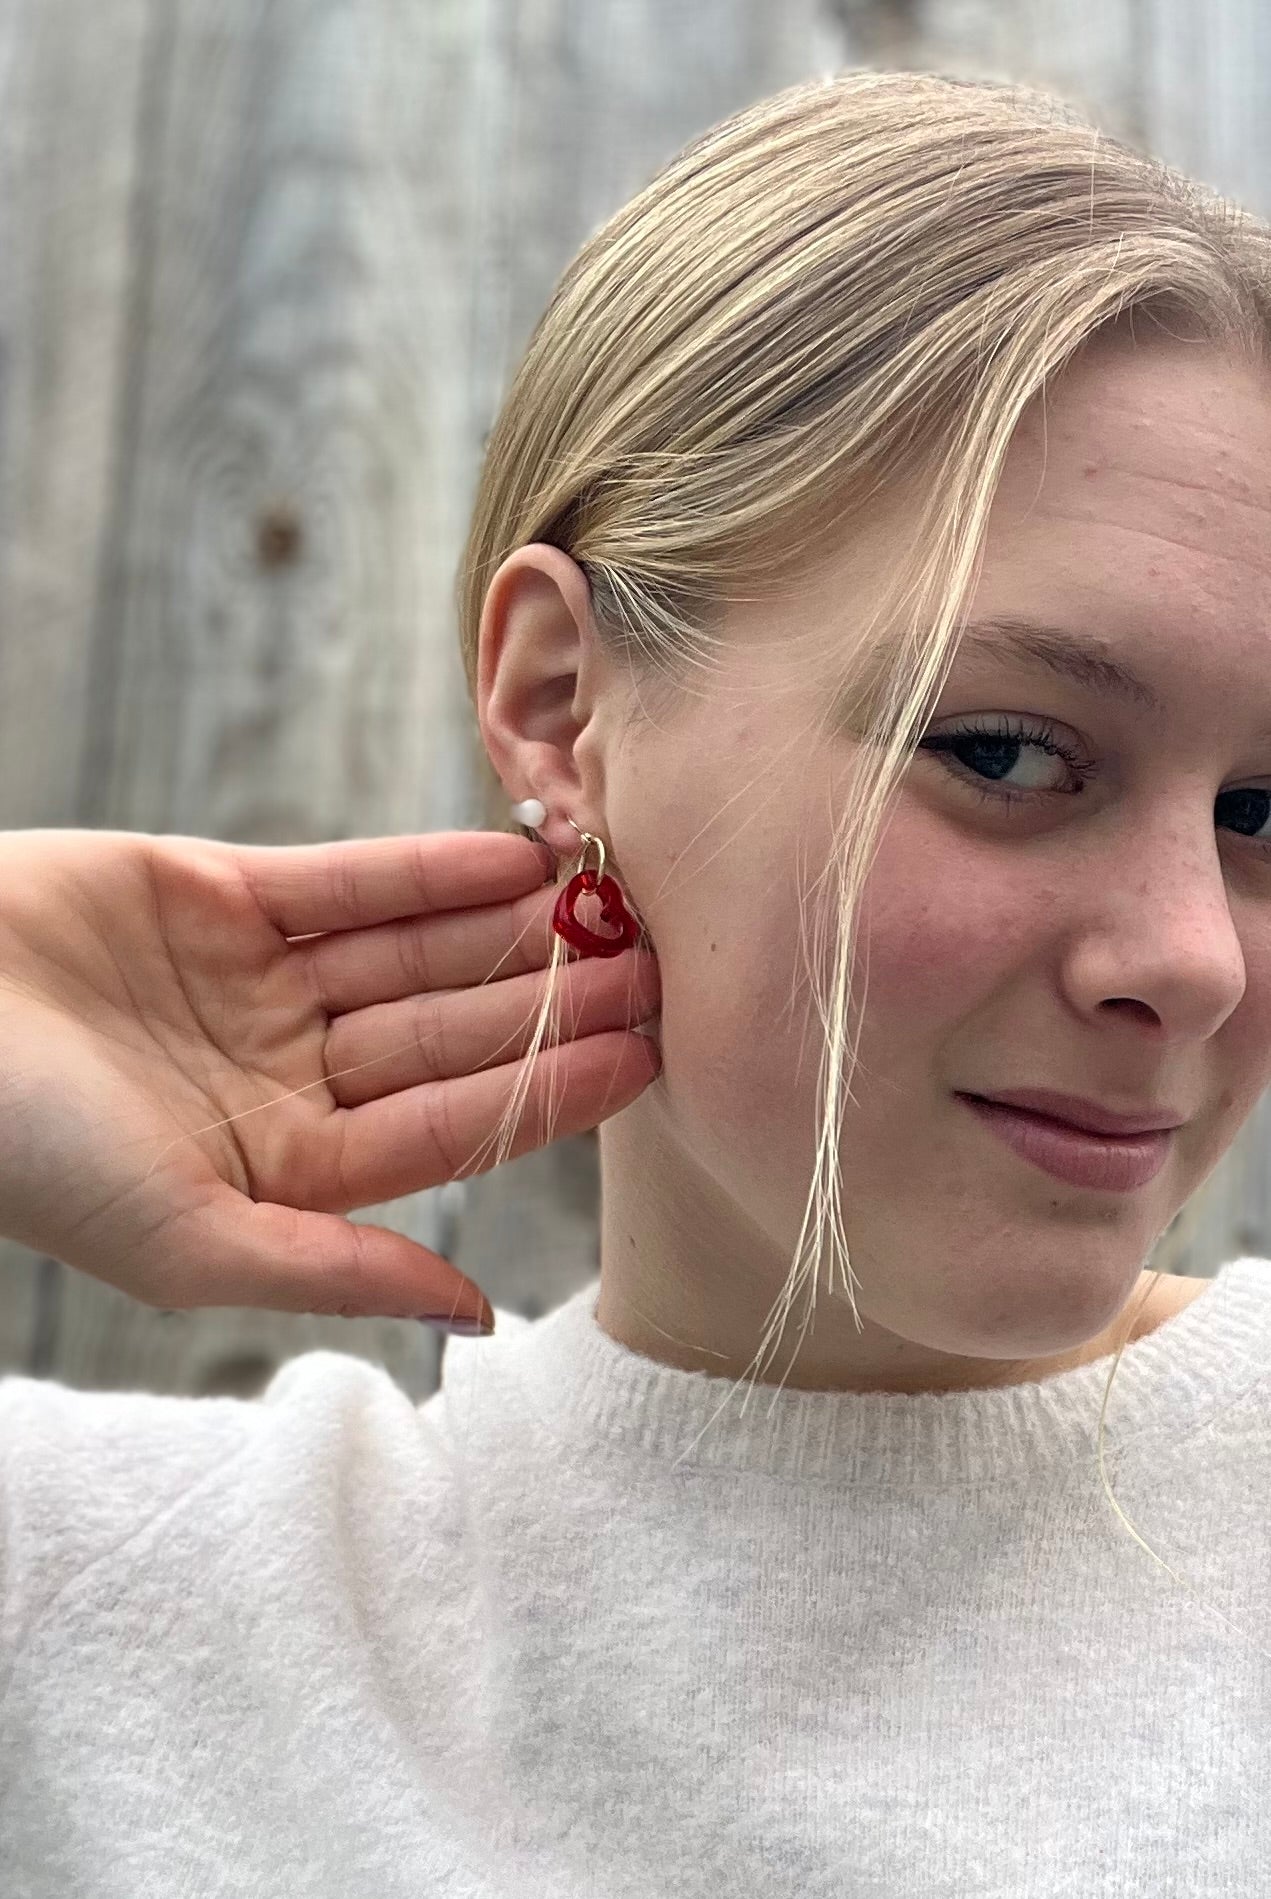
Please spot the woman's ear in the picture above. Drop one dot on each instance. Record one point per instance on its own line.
(539, 677)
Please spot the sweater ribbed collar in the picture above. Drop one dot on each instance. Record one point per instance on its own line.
(589, 1392)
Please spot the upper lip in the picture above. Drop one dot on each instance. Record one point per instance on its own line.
(1090, 1115)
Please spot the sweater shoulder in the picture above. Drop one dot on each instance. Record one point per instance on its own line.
(90, 1478)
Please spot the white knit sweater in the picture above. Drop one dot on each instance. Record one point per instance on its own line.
(511, 1644)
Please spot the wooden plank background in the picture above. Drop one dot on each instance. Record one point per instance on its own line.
(269, 265)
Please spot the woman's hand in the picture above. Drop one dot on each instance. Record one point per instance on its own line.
(170, 1006)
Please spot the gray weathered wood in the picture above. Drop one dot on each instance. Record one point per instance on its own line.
(269, 265)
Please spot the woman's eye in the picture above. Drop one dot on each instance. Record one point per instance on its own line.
(987, 755)
(994, 762)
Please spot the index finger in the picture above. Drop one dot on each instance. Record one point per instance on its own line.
(306, 889)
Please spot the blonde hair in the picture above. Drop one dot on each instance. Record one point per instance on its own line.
(861, 280)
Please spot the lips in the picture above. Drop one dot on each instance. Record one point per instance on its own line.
(1110, 1163)
(1075, 1112)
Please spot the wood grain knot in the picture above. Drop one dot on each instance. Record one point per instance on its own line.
(278, 535)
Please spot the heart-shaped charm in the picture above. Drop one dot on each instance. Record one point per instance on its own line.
(612, 911)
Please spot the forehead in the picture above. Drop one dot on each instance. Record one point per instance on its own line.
(1136, 504)
(1134, 507)
(1134, 513)
(1157, 455)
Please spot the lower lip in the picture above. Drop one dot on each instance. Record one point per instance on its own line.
(1109, 1163)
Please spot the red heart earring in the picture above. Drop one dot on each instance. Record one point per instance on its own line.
(613, 909)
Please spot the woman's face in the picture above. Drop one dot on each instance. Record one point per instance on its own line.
(1107, 932)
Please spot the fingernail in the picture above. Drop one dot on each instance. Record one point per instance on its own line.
(466, 1328)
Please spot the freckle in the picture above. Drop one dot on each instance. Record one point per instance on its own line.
(712, 949)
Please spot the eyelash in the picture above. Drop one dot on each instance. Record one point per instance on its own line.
(1017, 731)
(1021, 731)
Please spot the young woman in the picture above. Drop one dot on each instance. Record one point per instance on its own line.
(868, 602)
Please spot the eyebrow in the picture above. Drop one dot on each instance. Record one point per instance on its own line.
(1079, 657)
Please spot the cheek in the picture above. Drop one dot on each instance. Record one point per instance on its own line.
(946, 932)
(731, 1015)
(940, 928)
(731, 1033)
(939, 933)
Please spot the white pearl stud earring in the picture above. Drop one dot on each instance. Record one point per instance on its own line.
(530, 812)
